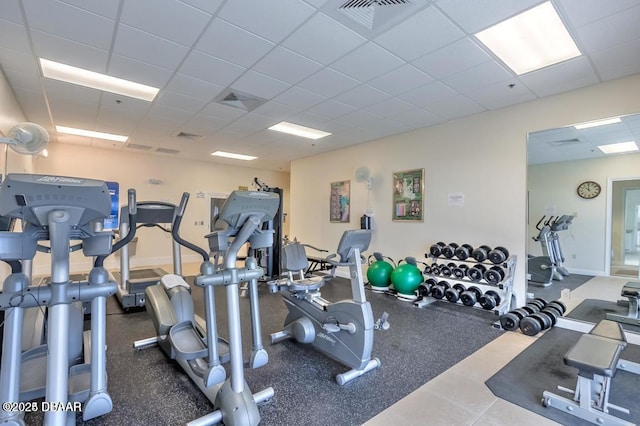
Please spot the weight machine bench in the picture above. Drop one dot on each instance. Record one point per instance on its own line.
(597, 357)
(631, 291)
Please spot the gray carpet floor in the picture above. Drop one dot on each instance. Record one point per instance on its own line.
(149, 389)
(552, 292)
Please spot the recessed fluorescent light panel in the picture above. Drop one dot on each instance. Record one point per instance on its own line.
(618, 148)
(94, 80)
(597, 123)
(297, 130)
(234, 156)
(91, 134)
(531, 40)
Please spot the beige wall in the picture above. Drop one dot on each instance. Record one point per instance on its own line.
(133, 170)
(482, 156)
(10, 115)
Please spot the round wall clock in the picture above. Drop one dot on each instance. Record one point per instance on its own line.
(589, 189)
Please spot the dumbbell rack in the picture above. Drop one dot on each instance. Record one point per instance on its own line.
(504, 288)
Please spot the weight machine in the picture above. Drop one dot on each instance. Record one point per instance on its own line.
(543, 270)
(269, 257)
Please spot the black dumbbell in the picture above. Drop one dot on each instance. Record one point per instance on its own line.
(464, 251)
(436, 249)
(447, 270)
(437, 291)
(489, 300)
(495, 274)
(511, 320)
(535, 323)
(460, 271)
(471, 296)
(476, 272)
(450, 250)
(558, 305)
(553, 313)
(498, 255)
(435, 269)
(531, 309)
(424, 289)
(453, 294)
(480, 254)
(539, 302)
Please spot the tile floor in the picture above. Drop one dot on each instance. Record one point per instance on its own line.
(474, 404)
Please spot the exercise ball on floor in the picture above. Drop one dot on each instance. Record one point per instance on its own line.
(379, 275)
(406, 278)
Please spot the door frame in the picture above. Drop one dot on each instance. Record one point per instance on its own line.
(609, 220)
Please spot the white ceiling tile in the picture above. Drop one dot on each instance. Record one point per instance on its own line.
(116, 120)
(208, 68)
(260, 85)
(567, 75)
(180, 101)
(500, 95)
(275, 109)
(299, 98)
(618, 61)
(14, 36)
(58, 90)
(10, 10)
(72, 113)
(19, 61)
(424, 32)
(323, 39)
(390, 107)
(328, 82)
(361, 96)
(172, 20)
(356, 118)
(134, 107)
(34, 106)
(478, 77)
(209, 6)
(480, 14)
(222, 112)
(307, 119)
(598, 35)
(24, 80)
(251, 123)
(401, 80)
(54, 48)
(104, 144)
(316, 3)
(146, 47)
(297, 67)
(417, 117)
(168, 113)
(140, 72)
(203, 124)
(454, 107)
(581, 12)
(366, 62)
(331, 109)
(69, 22)
(194, 87)
(273, 20)
(106, 8)
(73, 140)
(458, 56)
(239, 47)
(428, 94)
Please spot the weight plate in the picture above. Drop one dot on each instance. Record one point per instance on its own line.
(547, 322)
(538, 303)
(436, 249)
(531, 326)
(498, 255)
(424, 290)
(487, 302)
(437, 291)
(561, 306)
(510, 321)
(430, 282)
(451, 295)
(445, 270)
(492, 276)
(521, 312)
(541, 300)
(458, 272)
(459, 288)
(554, 309)
(530, 309)
(552, 314)
(533, 307)
(468, 298)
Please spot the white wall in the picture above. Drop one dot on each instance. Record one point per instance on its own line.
(133, 170)
(554, 185)
(10, 115)
(482, 156)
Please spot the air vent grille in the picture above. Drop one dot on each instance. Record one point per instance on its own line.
(167, 151)
(565, 142)
(370, 13)
(140, 147)
(240, 100)
(190, 136)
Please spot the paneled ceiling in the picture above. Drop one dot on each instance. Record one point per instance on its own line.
(311, 65)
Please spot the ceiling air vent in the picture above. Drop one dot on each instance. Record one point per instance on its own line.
(372, 16)
(240, 100)
(167, 151)
(140, 147)
(565, 142)
(190, 136)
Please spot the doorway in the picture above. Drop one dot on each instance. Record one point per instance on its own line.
(625, 228)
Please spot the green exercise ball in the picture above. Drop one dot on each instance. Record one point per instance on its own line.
(406, 278)
(379, 273)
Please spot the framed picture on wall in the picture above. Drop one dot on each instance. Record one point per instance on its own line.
(408, 192)
(339, 202)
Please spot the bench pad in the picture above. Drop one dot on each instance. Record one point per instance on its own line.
(595, 355)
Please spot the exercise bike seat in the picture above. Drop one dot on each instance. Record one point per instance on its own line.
(294, 258)
(631, 289)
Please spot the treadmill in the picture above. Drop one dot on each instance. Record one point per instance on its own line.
(132, 283)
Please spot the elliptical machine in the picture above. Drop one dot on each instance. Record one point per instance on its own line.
(341, 330)
(542, 269)
(195, 345)
(56, 209)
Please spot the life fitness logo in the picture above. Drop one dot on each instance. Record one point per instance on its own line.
(58, 179)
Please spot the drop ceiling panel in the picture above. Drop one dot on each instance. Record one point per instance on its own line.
(479, 14)
(618, 61)
(194, 87)
(180, 101)
(103, 144)
(331, 109)
(69, 52)
(10, 10)
(260, 85)
(362, 96)
(328, 82)
(299, 98)
(401, 80)
(353, 119)
(500, 95)
(173, 20)
(581, 12)
(222, 112)
(428, 94)
(598, 35)
(140, 72)
(275, 110)
(273, 20)
(58, 90)
(424, 32)
(323, 39)
(200, 65)
(115, 120)
(203, 125)
(209, 6)
(20, 63)
(240, 47)
(297, 66)
(175, 115)
(146, 47)
(367, 62)
(389, 107)
(454, 107)
(69, 22)
(454, 58)
(73, 140)
(14, 35)
(480, 76)
(127, 105)
(106, 8)
(573, 74)
(417, 117)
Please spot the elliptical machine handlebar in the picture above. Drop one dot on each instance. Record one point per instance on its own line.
(175, 229)
(133, 212)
